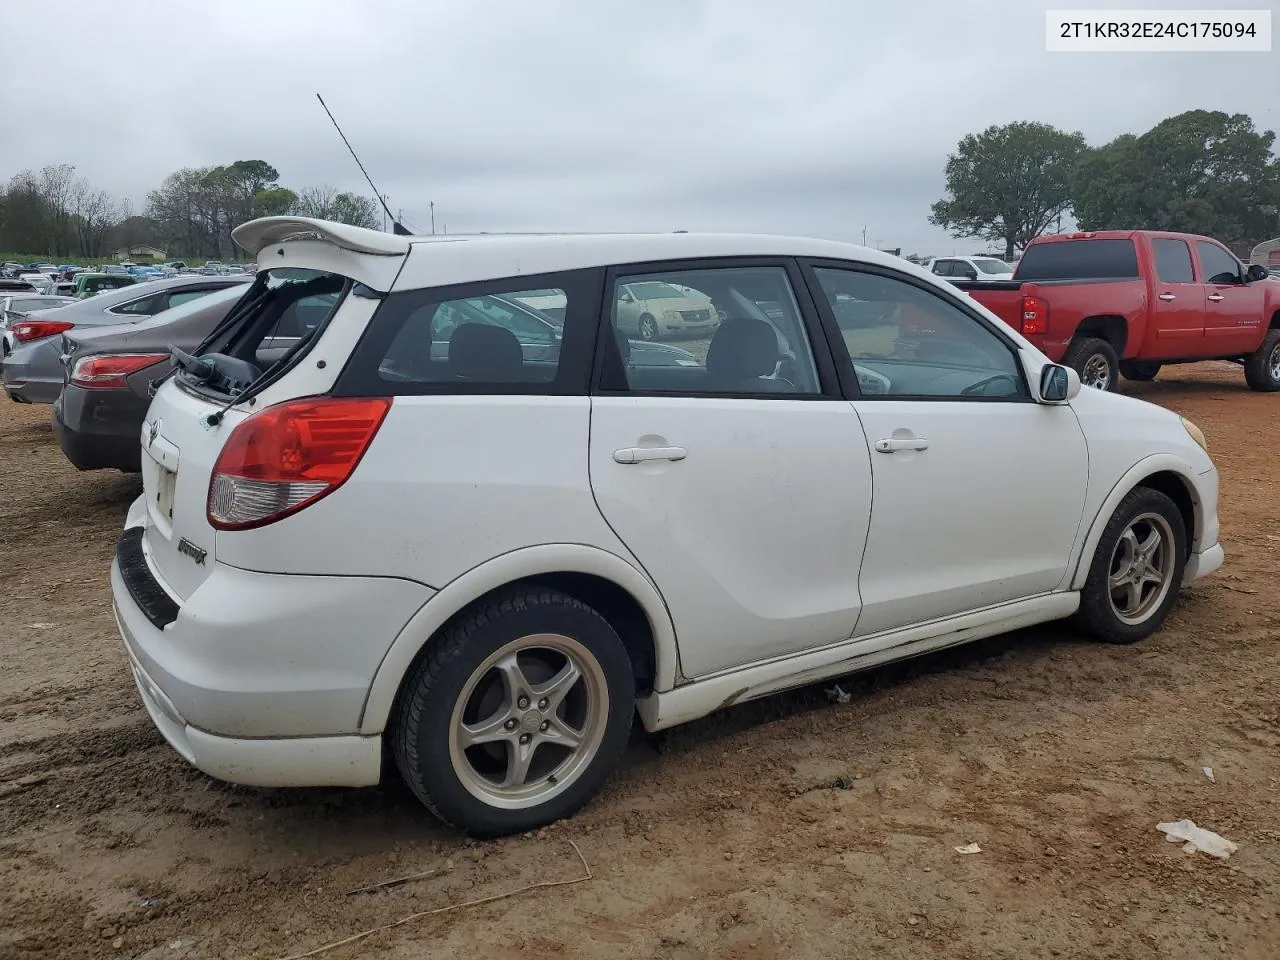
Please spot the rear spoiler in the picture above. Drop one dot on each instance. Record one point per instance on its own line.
(263, 232)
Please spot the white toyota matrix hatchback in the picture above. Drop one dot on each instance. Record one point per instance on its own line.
(453, 530)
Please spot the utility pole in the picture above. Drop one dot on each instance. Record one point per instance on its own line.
(864, 236)
(432, 204)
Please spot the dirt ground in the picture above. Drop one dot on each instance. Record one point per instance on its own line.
(791, 827)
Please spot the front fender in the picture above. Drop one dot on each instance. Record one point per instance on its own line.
(517, 565)
(1148, 466)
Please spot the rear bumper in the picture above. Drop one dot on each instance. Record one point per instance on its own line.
(27, 376)
(260, 678)
(99, 429)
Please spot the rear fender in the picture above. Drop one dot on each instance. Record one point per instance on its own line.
(488, 576)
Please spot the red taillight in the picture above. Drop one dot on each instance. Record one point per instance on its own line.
(110, 371)
(287, 457)
(24, 331)
(1035, 315)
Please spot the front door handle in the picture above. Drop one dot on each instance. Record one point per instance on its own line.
(1167, 296)
(893, 445)
(1215, 297)
(641, 454)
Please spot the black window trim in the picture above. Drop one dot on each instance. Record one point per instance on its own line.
(166, 292)
(840, 350)
(606, 346)
(583, 288)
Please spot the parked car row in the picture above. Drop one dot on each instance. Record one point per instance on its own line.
(439, 527)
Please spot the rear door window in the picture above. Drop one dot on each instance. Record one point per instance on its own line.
(1079, 260)
(1173, 260)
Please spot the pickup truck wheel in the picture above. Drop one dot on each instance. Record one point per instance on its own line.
(1138, 371)
(1096, 362)
(515, 713)
(1262, 367)
(1136, 570)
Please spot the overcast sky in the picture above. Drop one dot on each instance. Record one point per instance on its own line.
(814, 117)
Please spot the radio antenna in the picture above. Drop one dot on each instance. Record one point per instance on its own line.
(396, 226)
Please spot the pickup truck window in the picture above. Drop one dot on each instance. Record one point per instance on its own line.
(1173, 260)
(1079, 260)
(908, 342)
(1219, 266)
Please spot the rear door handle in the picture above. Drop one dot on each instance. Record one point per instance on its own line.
(1215, 297)
(641, 454)
(892, 445)
(1167, 296)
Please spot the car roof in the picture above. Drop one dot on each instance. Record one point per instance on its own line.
(584, 248)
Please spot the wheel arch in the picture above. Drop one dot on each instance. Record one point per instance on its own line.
(1164, 472)
(602, 580)
(1109, 327)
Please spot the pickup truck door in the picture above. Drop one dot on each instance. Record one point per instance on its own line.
(1176, 312)
(1233, 319)
(977, 492)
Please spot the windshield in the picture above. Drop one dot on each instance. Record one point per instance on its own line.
(992, 266)
(655, 291)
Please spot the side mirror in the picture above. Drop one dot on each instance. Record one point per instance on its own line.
(1256, 272)
(1058, 384)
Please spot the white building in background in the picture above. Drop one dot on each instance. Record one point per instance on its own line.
(1266, 253)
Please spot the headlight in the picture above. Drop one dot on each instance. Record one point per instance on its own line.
(1196, 434)
(672, 316)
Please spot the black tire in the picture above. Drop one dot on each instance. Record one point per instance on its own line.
(1086, 355)
(1262, 367)
(648, 327)
(1098, 613)
(1138, 370)
(422, 730)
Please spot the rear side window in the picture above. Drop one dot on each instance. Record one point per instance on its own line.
(1173, 260)
(1079, 260)
(489, 337)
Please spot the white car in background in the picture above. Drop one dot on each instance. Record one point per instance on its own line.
(653, 309)
(411, 538)
(970, 268)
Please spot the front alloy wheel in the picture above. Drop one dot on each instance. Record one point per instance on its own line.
(1136, 570)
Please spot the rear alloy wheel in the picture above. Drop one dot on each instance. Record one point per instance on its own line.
(514, 715)
(1262, 367)
(1096, 362)
(1137, 569)
(1139, 371)
(648, 328)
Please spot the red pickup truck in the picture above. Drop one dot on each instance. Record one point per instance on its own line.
(1130, 301)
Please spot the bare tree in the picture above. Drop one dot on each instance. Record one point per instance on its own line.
(56, 186)
(95, 212)
(316, 202)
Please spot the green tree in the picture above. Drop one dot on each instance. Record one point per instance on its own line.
(1200, 172)
(357, 210)
(273, 202)
(1008, 183)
